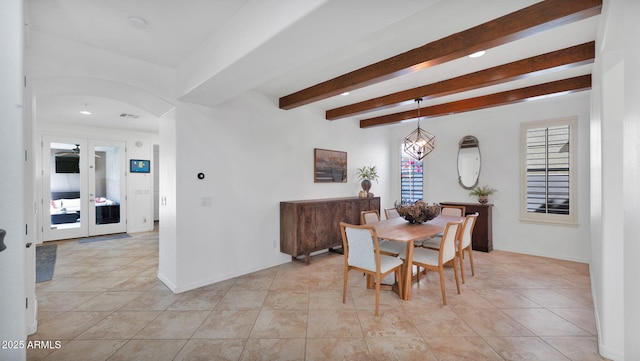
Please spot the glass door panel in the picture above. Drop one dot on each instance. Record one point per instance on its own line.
(64, 184)
(107, 211)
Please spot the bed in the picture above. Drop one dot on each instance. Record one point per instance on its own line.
(65, 208)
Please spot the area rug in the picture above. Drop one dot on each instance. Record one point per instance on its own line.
(45, 262)
(104, 238)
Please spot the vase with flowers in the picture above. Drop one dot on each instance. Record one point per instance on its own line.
(366, 174)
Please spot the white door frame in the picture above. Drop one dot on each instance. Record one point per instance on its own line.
(87, 225)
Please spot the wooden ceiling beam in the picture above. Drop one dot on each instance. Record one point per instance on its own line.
(569, 57)
(536, 18)
(492, 100)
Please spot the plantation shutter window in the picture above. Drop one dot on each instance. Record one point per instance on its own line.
(548, 171)
(411, 173)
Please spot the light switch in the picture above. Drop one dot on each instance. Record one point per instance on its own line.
(205, 202)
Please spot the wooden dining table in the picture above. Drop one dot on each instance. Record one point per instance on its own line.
(399, 230)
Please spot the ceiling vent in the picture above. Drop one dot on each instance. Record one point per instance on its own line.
(127, 115)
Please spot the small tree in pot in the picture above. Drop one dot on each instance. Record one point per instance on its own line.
(367, 174)
(483, 193)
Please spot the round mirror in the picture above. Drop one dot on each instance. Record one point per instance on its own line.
(468, 162)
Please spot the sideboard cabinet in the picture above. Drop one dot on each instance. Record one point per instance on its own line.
(482, 238)
(307, 226)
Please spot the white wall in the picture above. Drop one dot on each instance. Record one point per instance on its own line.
(254, 156)
(615, 169)
(167, 253)
(12, 216)
(498, 132)
(139, 186)
(631, 156)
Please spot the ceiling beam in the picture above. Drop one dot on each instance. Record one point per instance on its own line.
(536, 18)
(569, 85)
(569, 57)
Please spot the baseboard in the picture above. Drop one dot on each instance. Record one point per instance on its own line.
(542, 254)
(218, 278)
(33, 327)
(603, 350)
(607, 353)
(167, 283)
(140, 229)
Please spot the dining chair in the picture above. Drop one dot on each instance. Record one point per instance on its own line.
(369, 216)
(462, 243)
(435, 260)
(448, 210)
(391, 213)
(391, 248)
(362, 253)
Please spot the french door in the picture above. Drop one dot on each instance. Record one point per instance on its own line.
(84, 187)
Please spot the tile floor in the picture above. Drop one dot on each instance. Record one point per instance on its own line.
(105, 303)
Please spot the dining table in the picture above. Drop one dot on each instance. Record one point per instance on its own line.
(400, 230)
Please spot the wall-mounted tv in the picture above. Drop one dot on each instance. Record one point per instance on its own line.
(67, 164)
(139, 166)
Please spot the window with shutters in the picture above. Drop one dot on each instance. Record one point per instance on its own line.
(411, 178)
(549, 171)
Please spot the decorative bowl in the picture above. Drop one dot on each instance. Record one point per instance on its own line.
(418, 212)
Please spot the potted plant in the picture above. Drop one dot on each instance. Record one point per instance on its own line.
(367, 174)
(482, 193)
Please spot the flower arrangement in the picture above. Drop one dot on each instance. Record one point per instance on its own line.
(368, 173)
(418, 212)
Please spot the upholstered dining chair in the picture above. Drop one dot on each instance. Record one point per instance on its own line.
(446, 210)
(391, 213)
(435, 260)
(362, 253)
(451, 210)
(387, 247)
(462, 243)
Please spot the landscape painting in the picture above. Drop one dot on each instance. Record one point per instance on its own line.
(330, 166)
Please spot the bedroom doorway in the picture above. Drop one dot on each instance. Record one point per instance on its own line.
(84, 186)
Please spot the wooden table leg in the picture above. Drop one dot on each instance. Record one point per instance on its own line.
(405, 292)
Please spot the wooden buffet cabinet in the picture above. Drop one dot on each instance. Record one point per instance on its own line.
(307, 226)
(482, 239)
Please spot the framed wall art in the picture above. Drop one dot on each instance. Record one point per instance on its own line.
(329, 166)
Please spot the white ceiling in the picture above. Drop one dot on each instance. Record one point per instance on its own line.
(349, 39)
(105, 113)
(174, 28)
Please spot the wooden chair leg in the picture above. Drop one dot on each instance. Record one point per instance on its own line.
(473, 272)
(378, 279)
(455, 272)
(344, 286)
(444, 293)
(460, 256)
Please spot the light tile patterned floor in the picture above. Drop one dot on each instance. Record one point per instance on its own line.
(105, 303)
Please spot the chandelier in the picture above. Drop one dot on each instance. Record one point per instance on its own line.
(420, 142)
